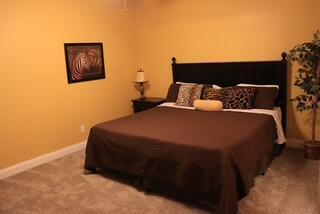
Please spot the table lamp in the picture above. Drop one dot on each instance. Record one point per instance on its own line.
(140, 79)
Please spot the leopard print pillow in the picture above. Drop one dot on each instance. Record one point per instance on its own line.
(214, 94)
(188, 94)
(239, 98)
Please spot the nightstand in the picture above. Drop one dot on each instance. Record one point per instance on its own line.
(146, 103)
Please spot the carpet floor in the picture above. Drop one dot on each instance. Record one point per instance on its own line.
(290, 185)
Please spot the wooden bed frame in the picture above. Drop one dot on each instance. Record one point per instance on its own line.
(232, 73)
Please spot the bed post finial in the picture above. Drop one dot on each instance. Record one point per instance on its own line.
(284, 56)
(174, 60)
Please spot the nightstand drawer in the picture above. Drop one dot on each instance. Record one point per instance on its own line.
(146, 103)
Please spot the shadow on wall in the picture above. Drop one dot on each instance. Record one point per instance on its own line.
(293, 131)
(298, 124)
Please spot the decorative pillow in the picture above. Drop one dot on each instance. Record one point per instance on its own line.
(214, 94)
(205, 86)
(264, 97)
(173, 92)
(239, 98)
(188, 94)
(208, 105)
(196, 93)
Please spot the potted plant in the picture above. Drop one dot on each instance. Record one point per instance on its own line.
(307, 55)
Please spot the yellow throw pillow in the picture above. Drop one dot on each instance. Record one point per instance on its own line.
(208, 105)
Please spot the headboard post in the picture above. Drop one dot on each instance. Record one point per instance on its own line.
(173, 64)
(284, 56)
(283, 101)
(174, 60)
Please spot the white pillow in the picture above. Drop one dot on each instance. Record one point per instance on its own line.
(253, 85)
(216, 87)
(186, 83)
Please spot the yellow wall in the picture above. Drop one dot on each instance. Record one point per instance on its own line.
(39, 111)
(229, 30)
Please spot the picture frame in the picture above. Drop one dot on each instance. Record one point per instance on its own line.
(84, 61)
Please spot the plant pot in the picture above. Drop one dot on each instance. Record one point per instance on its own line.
(312, 150)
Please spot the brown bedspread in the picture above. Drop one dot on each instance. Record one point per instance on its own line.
(210, 157)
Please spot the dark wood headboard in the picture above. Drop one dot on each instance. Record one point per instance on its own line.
(232, 73)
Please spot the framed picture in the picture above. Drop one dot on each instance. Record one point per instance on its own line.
(84, 61)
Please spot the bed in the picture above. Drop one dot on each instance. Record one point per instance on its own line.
(210, 158)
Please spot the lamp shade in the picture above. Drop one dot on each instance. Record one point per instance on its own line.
(140, 76)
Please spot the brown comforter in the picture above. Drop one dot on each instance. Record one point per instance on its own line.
(210, 157)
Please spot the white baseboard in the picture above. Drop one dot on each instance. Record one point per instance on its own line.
(20, 167)
(294, 143)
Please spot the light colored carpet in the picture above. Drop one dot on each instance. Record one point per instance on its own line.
(289, 186)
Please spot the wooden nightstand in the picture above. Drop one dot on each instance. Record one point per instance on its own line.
(146, 103)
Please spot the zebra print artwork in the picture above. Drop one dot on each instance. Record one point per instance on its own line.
(84, 61)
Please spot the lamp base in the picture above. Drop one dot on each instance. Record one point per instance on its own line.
(141, 89)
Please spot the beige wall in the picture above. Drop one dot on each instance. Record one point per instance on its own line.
(227, 30)
(40, 112)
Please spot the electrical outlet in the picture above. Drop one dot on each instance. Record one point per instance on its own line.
(82, 128)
